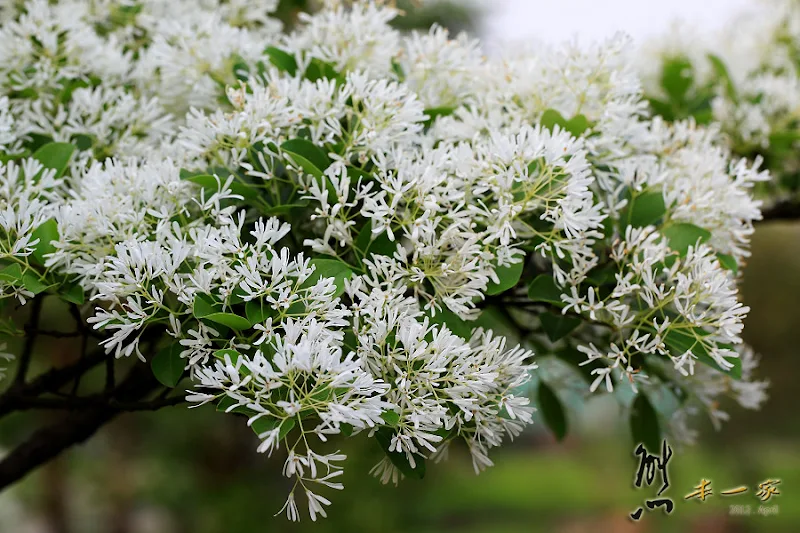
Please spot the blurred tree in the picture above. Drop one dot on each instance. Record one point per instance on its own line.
(417, 15)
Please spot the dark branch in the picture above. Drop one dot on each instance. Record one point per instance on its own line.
(75, 311)
(84, 346)
(77, 403)
(54, 334)
(111, 379)
(48, 442)
(30, 341)
(49, 381)
(783, 210)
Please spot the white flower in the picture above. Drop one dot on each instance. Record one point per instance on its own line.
(334, 231)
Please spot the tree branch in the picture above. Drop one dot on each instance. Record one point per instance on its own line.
(30, 341)
(75, 403)
(48, 442)
(783, 210)
(49, 381)
(54, 334)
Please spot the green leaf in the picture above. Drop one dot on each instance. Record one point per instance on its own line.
(544, 289)
(226, 402)
(233, 355)
(367, 244)
(282, 60)
(329, 268)
(264, 424)
(240, 68)
(55, 156)
(436, 112)
(397, 68)
(662, 109)
(286, 427)
(456, 325)
(32, 282)
(9, 328)
(73, 293)
(5, 158)
(722, 72)
(494, 318)
(257, 311)
(14, 274)
(284, 209)
(602, 275)
(363, 239)
(204, 305)
(683, 235)
(677, 77)
(577, 125)
(682, 341)
(703, 116)
(558, 326)
(552, 118)
(783, 141)
(508, 276)
(644, 424)
(11, 274)
(735, 371)
(229, 319)
(168, 365)
(37, 140)
(728, 262)
(384, 438)
(46, 233)
(552, 411)
(210, 183)
(645, 209)
(311, 158)
(318, 70)
(83, 142)
(391, 418)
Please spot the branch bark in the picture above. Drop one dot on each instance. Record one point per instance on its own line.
(30, 341)
(78, 403)
(783, 210)
(48, 382)
(48, 442)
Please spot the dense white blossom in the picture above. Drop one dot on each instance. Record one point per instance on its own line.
(321, 228)
(745, 78)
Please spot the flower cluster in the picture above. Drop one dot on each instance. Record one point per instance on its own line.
(349, 230)
(745, 79)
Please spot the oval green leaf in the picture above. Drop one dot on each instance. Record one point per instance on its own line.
(644, 424)
(168, 365)
(552, 411)
(508, 276)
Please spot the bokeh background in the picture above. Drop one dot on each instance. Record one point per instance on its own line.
(197, 472)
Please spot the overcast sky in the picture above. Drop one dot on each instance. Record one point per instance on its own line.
(559, 20)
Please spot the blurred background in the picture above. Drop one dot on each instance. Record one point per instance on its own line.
(179, 471)
(595, 20)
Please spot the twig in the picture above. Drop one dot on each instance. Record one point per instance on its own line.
(783, 210)
(30, 341)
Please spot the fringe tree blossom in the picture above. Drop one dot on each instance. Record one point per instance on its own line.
(347, 230)
(745, 79)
